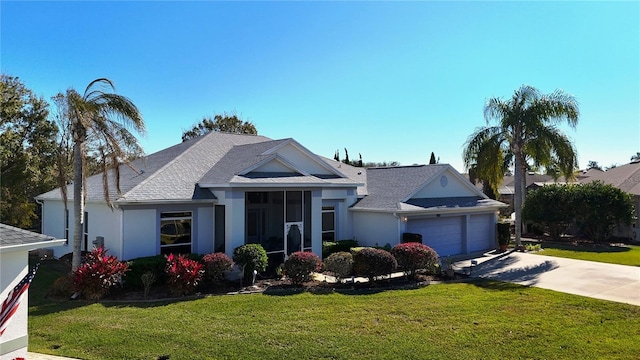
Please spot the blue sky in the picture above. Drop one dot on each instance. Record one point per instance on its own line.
(392, 81)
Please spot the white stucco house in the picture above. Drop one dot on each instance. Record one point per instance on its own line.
(219, 191)
(15, 245)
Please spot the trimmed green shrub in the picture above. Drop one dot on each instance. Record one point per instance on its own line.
(216, 265)
(504, 233)
(250, 257)
(413, 256)
(329, 247)
(137, 267)
(300, 265)
(372, 262)
(340, 264)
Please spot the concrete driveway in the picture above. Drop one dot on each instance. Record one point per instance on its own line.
(586, 278)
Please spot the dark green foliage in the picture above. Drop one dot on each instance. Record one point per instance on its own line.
(552, 207)
(27, 152)
(250, 257)
(221, 123)
(330, 247)
(504, 233)
(594, 207)
(599, 207)
(370, 262)
(300, 266)
(413, 256)
(340, 264)
(137, 267)
(432, 159)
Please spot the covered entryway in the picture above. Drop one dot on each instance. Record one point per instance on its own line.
(443, 234)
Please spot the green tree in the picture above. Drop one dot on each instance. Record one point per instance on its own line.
(593, 165)
(552, 207)
(635, 157)
(527, 131)
(600, 207)
(99, 121)
(433, 160)
(27, 152)
(221, 123)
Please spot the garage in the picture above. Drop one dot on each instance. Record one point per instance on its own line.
(443, 234)
(481, 232)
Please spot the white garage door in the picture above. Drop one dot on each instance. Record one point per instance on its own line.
(481, 233)
(443, 234)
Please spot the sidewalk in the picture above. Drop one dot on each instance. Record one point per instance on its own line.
(612, 282)
(38, 356)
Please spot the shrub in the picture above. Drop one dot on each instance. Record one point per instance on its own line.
(215, 266)
(62, 286)
(98, 274)
(184, 274)
(413, 256)
(300, 265)
(372, 262)
(137, 267)
(147, 280)
(329, 247)
(340, 264)
(250, 257)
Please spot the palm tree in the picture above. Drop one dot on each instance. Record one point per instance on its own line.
(526, 130)
(99, 121)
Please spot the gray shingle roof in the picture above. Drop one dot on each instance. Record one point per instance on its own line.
(10, 236)
(387, 187)
(625, 177)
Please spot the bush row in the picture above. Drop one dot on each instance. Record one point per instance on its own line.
(183, 273)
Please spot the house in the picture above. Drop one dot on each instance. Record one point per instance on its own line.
(626, 178)
(15, 245)
(220, 191)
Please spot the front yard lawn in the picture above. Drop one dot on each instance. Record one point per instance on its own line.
(623, 255)
(476, 320)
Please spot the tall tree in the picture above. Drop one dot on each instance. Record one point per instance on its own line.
(635, 157)
(27, 149)
(433, 160)
(221, 123)
(526, 130)
(593, 165)
(104, 120)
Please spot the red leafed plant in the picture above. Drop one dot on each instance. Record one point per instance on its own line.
(98, 274)
(184, 274)
(216, 265)
(413, 256)
(300, 265)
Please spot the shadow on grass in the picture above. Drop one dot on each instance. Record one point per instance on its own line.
(595, 248)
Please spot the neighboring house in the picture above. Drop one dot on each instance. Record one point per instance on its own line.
(626, 178)
(220, 191)
(15, 245)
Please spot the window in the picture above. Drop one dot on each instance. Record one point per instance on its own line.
(66, 226)
(328, 223)
(175, 232)
(85, 231)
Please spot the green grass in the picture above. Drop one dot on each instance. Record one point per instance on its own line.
(623, 255)
(482, 320)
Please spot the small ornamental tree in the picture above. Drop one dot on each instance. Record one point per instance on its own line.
(250, 257)
(372, 262)
(340, 264)
(183, 274)
(413, 256)
(98, 274)
(216, 265)
(300, 266)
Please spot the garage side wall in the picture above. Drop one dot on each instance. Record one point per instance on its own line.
(375, 229)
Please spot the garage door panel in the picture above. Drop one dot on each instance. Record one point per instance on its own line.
(444, 235)
(481, 233)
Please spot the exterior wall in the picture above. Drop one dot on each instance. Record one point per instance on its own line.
(205, 227)
(140, 233)
(376, 229)
(451, 187)
(341, 200)
(13, 267)
(102, 222)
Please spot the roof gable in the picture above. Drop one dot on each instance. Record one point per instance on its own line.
(447, 183)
